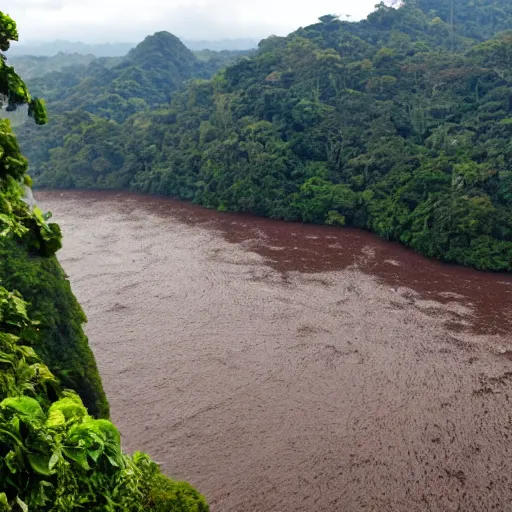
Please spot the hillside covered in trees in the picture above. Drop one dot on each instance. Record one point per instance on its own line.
(114, 87)
(400, 123)
(58, 450)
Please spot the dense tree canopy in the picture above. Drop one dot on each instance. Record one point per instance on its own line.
(399, 124)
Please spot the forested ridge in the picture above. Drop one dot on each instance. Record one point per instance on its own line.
(117, 87)
(58, 450)
(400, 123)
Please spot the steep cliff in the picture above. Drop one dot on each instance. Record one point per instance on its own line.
(55, 455)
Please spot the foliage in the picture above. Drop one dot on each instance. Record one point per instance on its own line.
(27, 245)
(59, 339)
(54, 456)
(12, 87)
(167, 495)
(399, 123)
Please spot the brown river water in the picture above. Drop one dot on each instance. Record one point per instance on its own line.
(282, 367)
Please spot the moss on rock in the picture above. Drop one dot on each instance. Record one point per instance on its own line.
(60, 341)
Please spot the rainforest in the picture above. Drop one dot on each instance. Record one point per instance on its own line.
(399, 124)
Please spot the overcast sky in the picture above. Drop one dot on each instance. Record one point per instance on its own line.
(130, 20)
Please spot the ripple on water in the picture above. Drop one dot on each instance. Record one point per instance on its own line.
(280, 367)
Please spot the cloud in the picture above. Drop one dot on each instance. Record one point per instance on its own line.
(131, 20)
(16, 5)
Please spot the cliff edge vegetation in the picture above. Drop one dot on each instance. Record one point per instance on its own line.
(55, 455)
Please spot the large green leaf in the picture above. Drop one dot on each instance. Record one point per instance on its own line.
(21, 504)
(54, 459)
(78, 455)
(40, 463)
(25, 406)
(55, 419)
(4, 504)
(68, 408)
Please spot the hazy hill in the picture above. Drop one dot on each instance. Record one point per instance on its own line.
(399, 123)
(111, 88)
(30, 66)
(49, 49)
(116, 88)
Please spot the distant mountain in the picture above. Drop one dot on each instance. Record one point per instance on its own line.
(160, 51)
(109, 89)
(31, 66)
(146, 76)
(53, 48)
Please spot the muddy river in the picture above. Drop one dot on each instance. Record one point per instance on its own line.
(281, 367)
